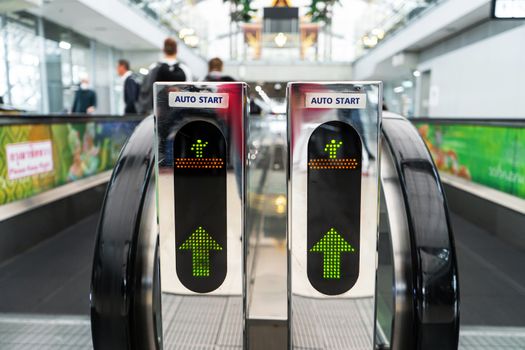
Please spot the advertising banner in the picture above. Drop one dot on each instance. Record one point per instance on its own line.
(38, 157)
(29, 158)
(493, 156)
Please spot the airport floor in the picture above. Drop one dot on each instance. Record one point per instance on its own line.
(52, 278)
(491, 278)
(45, 303)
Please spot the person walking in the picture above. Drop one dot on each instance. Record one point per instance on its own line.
(85, 100)
(215, 67)
(131, 87)
(168, 69)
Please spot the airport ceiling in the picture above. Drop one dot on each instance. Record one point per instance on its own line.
(356, 25)
(353, 21)
(375, 11)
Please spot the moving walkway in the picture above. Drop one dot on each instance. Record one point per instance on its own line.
(416, 300)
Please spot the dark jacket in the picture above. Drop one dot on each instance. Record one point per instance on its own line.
(217, 76)
(131, 95)
(145, 100)
(83, 100)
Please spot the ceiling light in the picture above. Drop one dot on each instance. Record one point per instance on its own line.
(280, 39)
(399, 89)
(379, 33)
(508, 9)
(64, 45)
(144, 71)
(184, 32)
(370, 41)
(416, 73)
(191, 40)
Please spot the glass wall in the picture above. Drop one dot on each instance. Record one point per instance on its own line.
(382, 18)
(68, 60)
(3, 80)
(37, 157)
(46, 63)
(399, 95)
(23, 62)
(103, 74)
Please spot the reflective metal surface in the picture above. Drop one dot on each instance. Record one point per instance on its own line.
(398, 321)
(170, 122)
(266, 292)
(432, 322)
(302, 122)
(146, 303)
(13, 209)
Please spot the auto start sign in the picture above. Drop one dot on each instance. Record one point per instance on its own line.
(198, 100)
(335, 100)
(29, 158)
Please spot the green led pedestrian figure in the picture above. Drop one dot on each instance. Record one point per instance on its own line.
(331, 147)
(198, 148)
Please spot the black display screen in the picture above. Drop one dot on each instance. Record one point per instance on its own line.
(199, 161)
(334, 207)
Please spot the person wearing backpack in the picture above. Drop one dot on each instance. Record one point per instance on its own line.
(215, 67)
(168, 69)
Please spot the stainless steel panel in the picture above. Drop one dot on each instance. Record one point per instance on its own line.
(230, 121)
(267, 287)
(302, 122)
(401, 317)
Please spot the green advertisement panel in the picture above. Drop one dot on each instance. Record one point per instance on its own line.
(493, 156)
(38, 157)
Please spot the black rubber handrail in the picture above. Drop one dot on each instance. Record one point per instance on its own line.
(434, 264)
(114, 275)
(504, 122)
(65, 118)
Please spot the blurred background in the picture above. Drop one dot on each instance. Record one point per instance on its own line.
(427, 52)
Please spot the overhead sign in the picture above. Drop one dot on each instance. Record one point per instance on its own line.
(198, 99)
(334, 207)
(335, 100)
(200, 206)
(508, 9)
(29, 158)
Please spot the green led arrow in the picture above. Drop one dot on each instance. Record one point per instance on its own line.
(200, 243)
(332, 245)
(332, 147)
(198, 148)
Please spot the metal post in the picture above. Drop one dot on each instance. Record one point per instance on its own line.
(333, 190)
(9, 99)
(200, 207)
(111, 74)
(43, 67)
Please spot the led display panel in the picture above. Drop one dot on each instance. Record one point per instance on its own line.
(333, 207)
(199, 175)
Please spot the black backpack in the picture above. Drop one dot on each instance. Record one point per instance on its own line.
(218, 78)
(170, 73)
